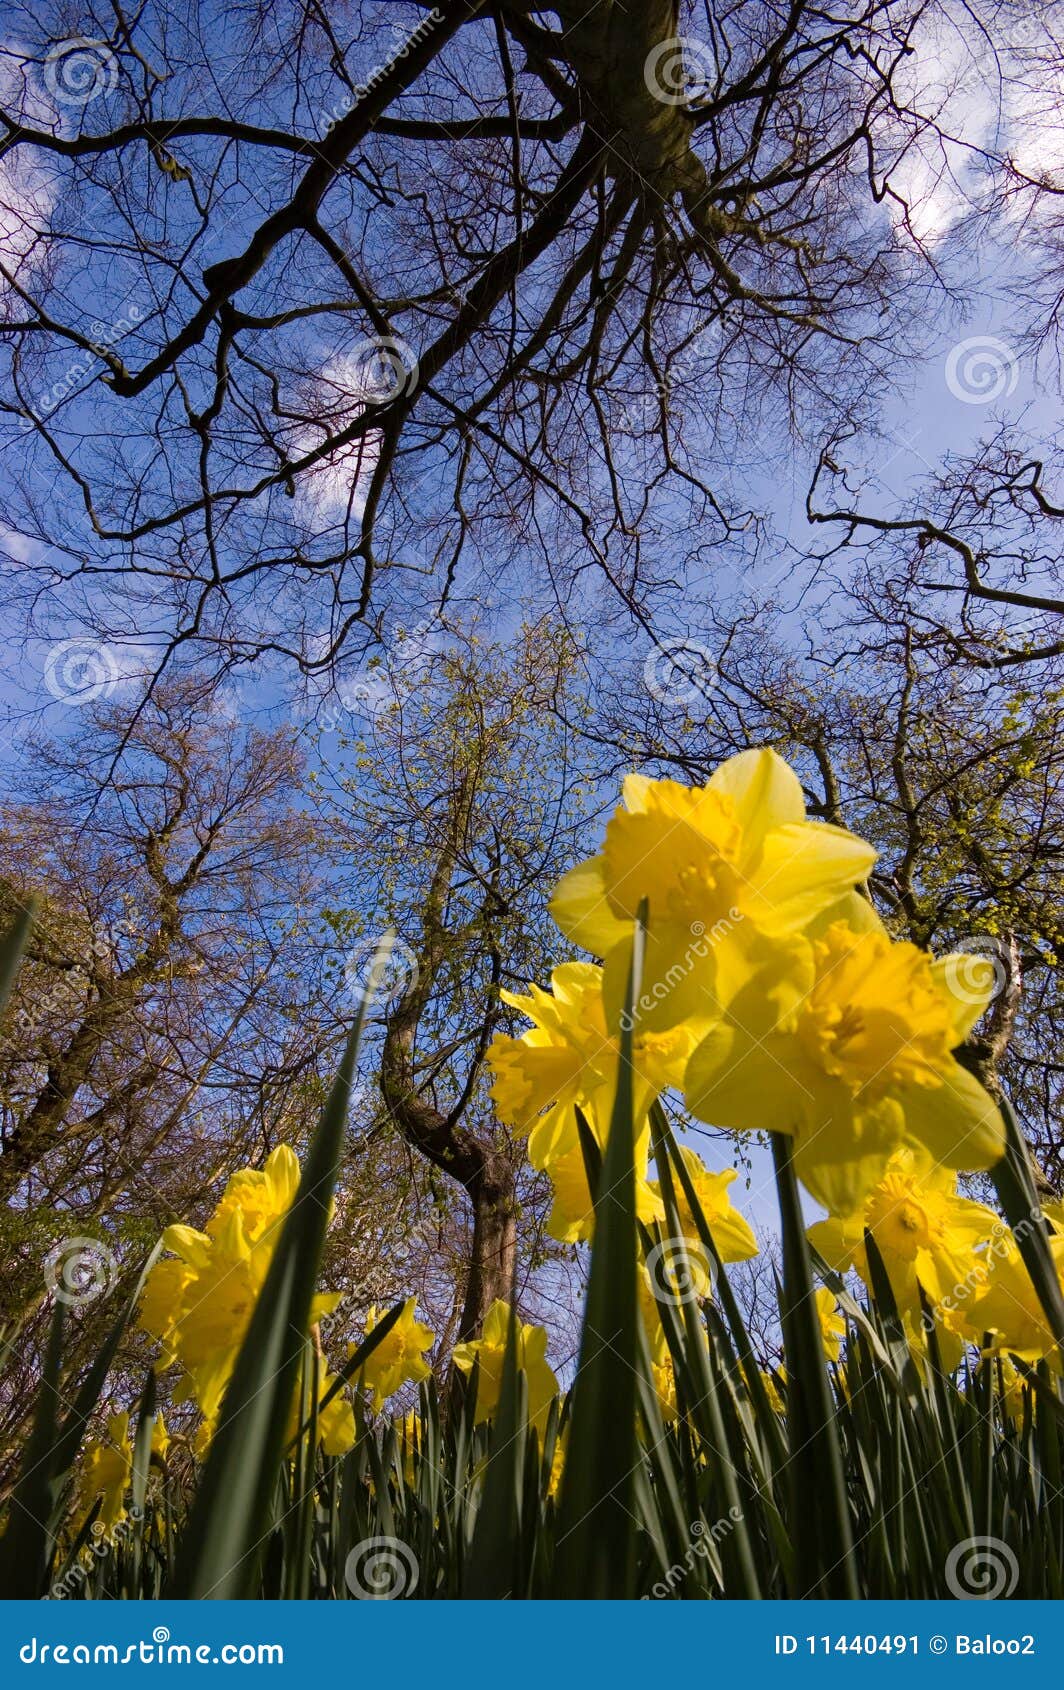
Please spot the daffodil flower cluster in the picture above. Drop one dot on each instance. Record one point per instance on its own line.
(488, 1354)
(200, 1298)
(1006, 1303)
(568, 1061)
(399, 1357)
(772, 998)
(931, 1242)
(107, 1471)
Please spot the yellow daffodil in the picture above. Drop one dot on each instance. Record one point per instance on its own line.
(408, 1433)
(557, 1465)
(730, 1231)
(665, 1387)
(106, 1473)
(953, 1327)
(200, 1300)
(725, 868)
(847, 1045)
(926, 1234)
(261, 1196)
(336, 1421)
(572, 1216)
(107, 1470)
(649, 1300)
(160, 1440)
(490, 1352)
(832, 1324)
(772, 1382)
(564, 1060)
(399, 1358)
(1010, 1386)
(1008, 1306)
(567, 1058)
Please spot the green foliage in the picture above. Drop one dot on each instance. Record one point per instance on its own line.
(909, 1465)
(930, 1462)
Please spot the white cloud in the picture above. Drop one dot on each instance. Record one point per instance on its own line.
(27, 186)
(336, 487)
(20, 548)
(945, 81)
(995, 90)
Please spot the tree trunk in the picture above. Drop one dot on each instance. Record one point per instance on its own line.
(493, 1254)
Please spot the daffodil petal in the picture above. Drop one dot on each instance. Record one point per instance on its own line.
(733, 1237)
(802, 867)
(970, 984)
(842, 1155)
(677, 985)
(193, 1247)
(837, 1240)
(580, 909)
(854, 909)
(737, 1081)
(766, 792)
(958, 1120)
